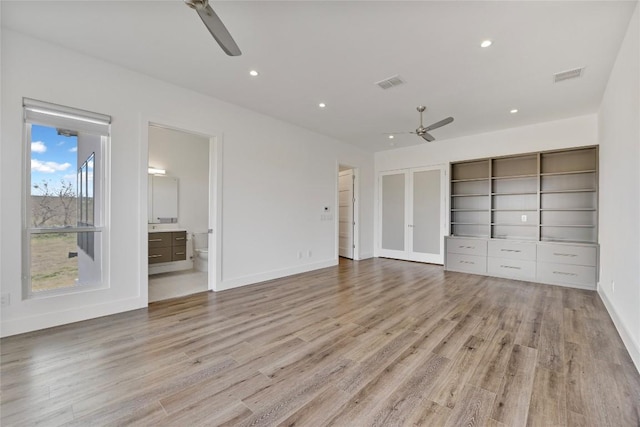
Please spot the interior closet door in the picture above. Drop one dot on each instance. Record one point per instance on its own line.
(393, 213)
(412, 214)
(427, 222)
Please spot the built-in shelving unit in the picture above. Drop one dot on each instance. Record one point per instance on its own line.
(522, 200)
(548, 196)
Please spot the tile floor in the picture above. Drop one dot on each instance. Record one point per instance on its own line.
(176, 284)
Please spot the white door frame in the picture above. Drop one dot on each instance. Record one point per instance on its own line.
(356, 211)
(215, 199)
(407, 253)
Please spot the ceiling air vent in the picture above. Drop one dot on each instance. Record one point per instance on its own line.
(390, 82)
(569, 74)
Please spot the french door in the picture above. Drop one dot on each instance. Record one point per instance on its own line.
(412, 214)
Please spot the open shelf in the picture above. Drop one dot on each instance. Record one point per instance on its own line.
(545, 239)
(468, 195)
(514, 193)
(577, 190)
(569, 209)
(470, 179)
(568, 225)
(515, 176)
(568, 173)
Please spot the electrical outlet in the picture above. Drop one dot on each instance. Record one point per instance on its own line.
(309, 253)
(523, 218)
(300, 255)
(5, 300)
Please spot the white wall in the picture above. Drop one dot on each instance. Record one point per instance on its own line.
(276, 178)
(184, 156)
(619, 134)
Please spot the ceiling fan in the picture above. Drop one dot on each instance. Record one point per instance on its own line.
(215, 26)
(423, 131)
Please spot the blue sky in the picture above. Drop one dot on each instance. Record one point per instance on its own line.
(53, 157)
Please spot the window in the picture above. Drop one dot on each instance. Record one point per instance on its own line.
(65, 207)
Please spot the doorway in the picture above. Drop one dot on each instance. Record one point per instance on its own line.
(178, 212)
(412, 214)
(347, 212)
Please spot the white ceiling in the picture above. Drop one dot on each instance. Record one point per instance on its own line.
(334, 52)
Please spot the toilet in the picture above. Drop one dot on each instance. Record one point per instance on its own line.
(201, 251)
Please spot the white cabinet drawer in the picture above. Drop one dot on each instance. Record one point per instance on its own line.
(567, 254)
(513, 250)
(467, 263)
(579, 275)
(512, 268)
(467, 246)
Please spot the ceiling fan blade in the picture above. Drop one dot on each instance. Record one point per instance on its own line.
(439, 124)
(218, 31)
(427, 137)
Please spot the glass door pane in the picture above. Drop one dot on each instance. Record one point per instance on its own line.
(426, 211)
(393, 211)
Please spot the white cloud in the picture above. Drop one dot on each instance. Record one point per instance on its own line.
(38, 147)
(73, 149)
(70, 177)
(60, 143)
(48, 167)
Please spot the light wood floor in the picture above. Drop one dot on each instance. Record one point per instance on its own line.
(376, 342)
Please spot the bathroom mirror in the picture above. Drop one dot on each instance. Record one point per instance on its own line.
(163, 199)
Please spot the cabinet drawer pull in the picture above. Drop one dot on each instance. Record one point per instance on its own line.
(179, 238)
(560, 254)
(179, 253)
(466, 247)
(564, 273)
(510, 250)
(155, 240)
(467, 262)
(511, 267)
(155, 256)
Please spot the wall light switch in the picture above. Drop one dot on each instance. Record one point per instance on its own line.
(523, 218)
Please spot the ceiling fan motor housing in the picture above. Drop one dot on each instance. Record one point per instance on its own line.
(197, 4)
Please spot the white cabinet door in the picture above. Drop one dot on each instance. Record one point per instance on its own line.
(412, 214)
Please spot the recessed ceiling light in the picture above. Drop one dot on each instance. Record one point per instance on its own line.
(515, 110)
(391, 136)
(322, 105)
(486, 43)
(253, 73)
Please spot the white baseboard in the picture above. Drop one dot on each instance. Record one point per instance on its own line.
(630, 343)
(366, 255)
(49, 320)
(274, 274)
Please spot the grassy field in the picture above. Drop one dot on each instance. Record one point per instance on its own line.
(51, 267)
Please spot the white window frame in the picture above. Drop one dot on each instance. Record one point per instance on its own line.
(53, 115)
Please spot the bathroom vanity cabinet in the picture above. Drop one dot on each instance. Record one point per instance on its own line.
(167, 246)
